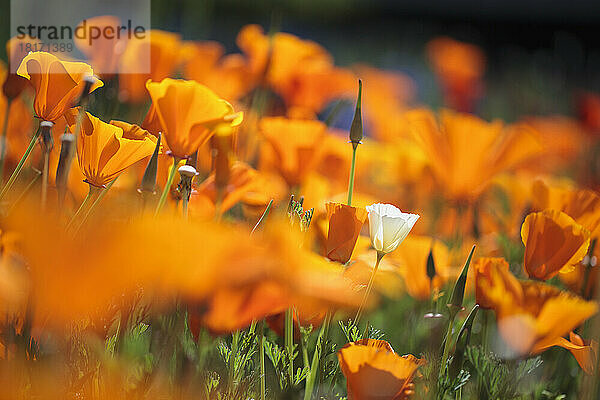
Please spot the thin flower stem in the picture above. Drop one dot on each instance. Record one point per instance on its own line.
(351, 179)
(3, 139)
(316, 361)
(447, 340)
(184, 206)
(369, 287)
(165, 192)
(261, 356)
(263, 216)
(44, 196)
(235, 338)
(91, 192)
(289, 342)
(19, 167)
(98, 199)
(37, 176)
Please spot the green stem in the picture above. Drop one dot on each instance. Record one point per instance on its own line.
(261, 356)
(3, 139)
(98, 199)
(263, 216)
(26, 190)
(19, 167)
(289, 342)
(234, 349)
(45, 178)
(316, 361)
(165, 192)
(351, 180)
(369, 287)
(447, 342)
(93, 190)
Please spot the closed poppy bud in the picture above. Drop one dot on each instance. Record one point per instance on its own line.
(149, 179)
(458, 293)
(553, 241)
(345, 223)
(388, 226)
(430, 265)
(356, 129)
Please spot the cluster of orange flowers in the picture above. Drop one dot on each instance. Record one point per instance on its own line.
(219, 169)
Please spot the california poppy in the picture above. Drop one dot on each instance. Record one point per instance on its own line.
(296, 145)
(57, 83)
(105, 150)
(466, 152)
(345, 224)
(188, 112)
(103, 53)
(374, 371)
(532, 316)
(154, 57)
(553, 241)
(459, 67)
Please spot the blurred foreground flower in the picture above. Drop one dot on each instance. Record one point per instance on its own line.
(374, 371)
(532, 316)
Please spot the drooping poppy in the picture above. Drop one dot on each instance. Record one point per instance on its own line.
(374, 371)
(188, 112)
(105, 150)
(57, 84)
(553, 241)
(345, 224)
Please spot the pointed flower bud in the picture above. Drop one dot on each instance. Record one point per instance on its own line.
(149, 179)
(458, 293)
(356, 129)
(430, 265)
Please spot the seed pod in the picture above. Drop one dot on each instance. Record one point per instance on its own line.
(458, 293)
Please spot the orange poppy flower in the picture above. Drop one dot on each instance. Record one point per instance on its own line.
(553, 241)
(17, 49)
(345, 224)
(581, 205)
(296, 145)
(411, 258)
(466, 152)
(154, 57)
(188, 112)
(243, 179)
(57, 84)
(459, 67)
(374, 371)
(105, 150)
(104, 52)
(532, 316)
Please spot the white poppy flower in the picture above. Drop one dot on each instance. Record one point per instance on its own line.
(388, 226)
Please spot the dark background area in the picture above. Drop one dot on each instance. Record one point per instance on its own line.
(540, 52)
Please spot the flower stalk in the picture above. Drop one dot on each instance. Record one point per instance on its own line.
(19, 167)
(356, 135)
(165, 192)
(3, 138)
(48, 145)
(369, 287)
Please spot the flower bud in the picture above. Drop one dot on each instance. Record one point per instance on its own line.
(356, 129)
(458, 293)
(47, 140)
(388, 226)
(88, 80)
(430, 265)
(149, 179)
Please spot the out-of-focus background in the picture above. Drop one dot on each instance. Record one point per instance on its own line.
(540, 54)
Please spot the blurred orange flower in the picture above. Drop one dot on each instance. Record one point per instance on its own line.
(345, 224)
(103, 53)
(296, 146)
(466, 152)
(374, 371)
(532, 316)
(17, 49)
(412, 262)
(188, 112)
(154, 57)
(553, 241)
(459, 67)
(57, 83)
(105, 150)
